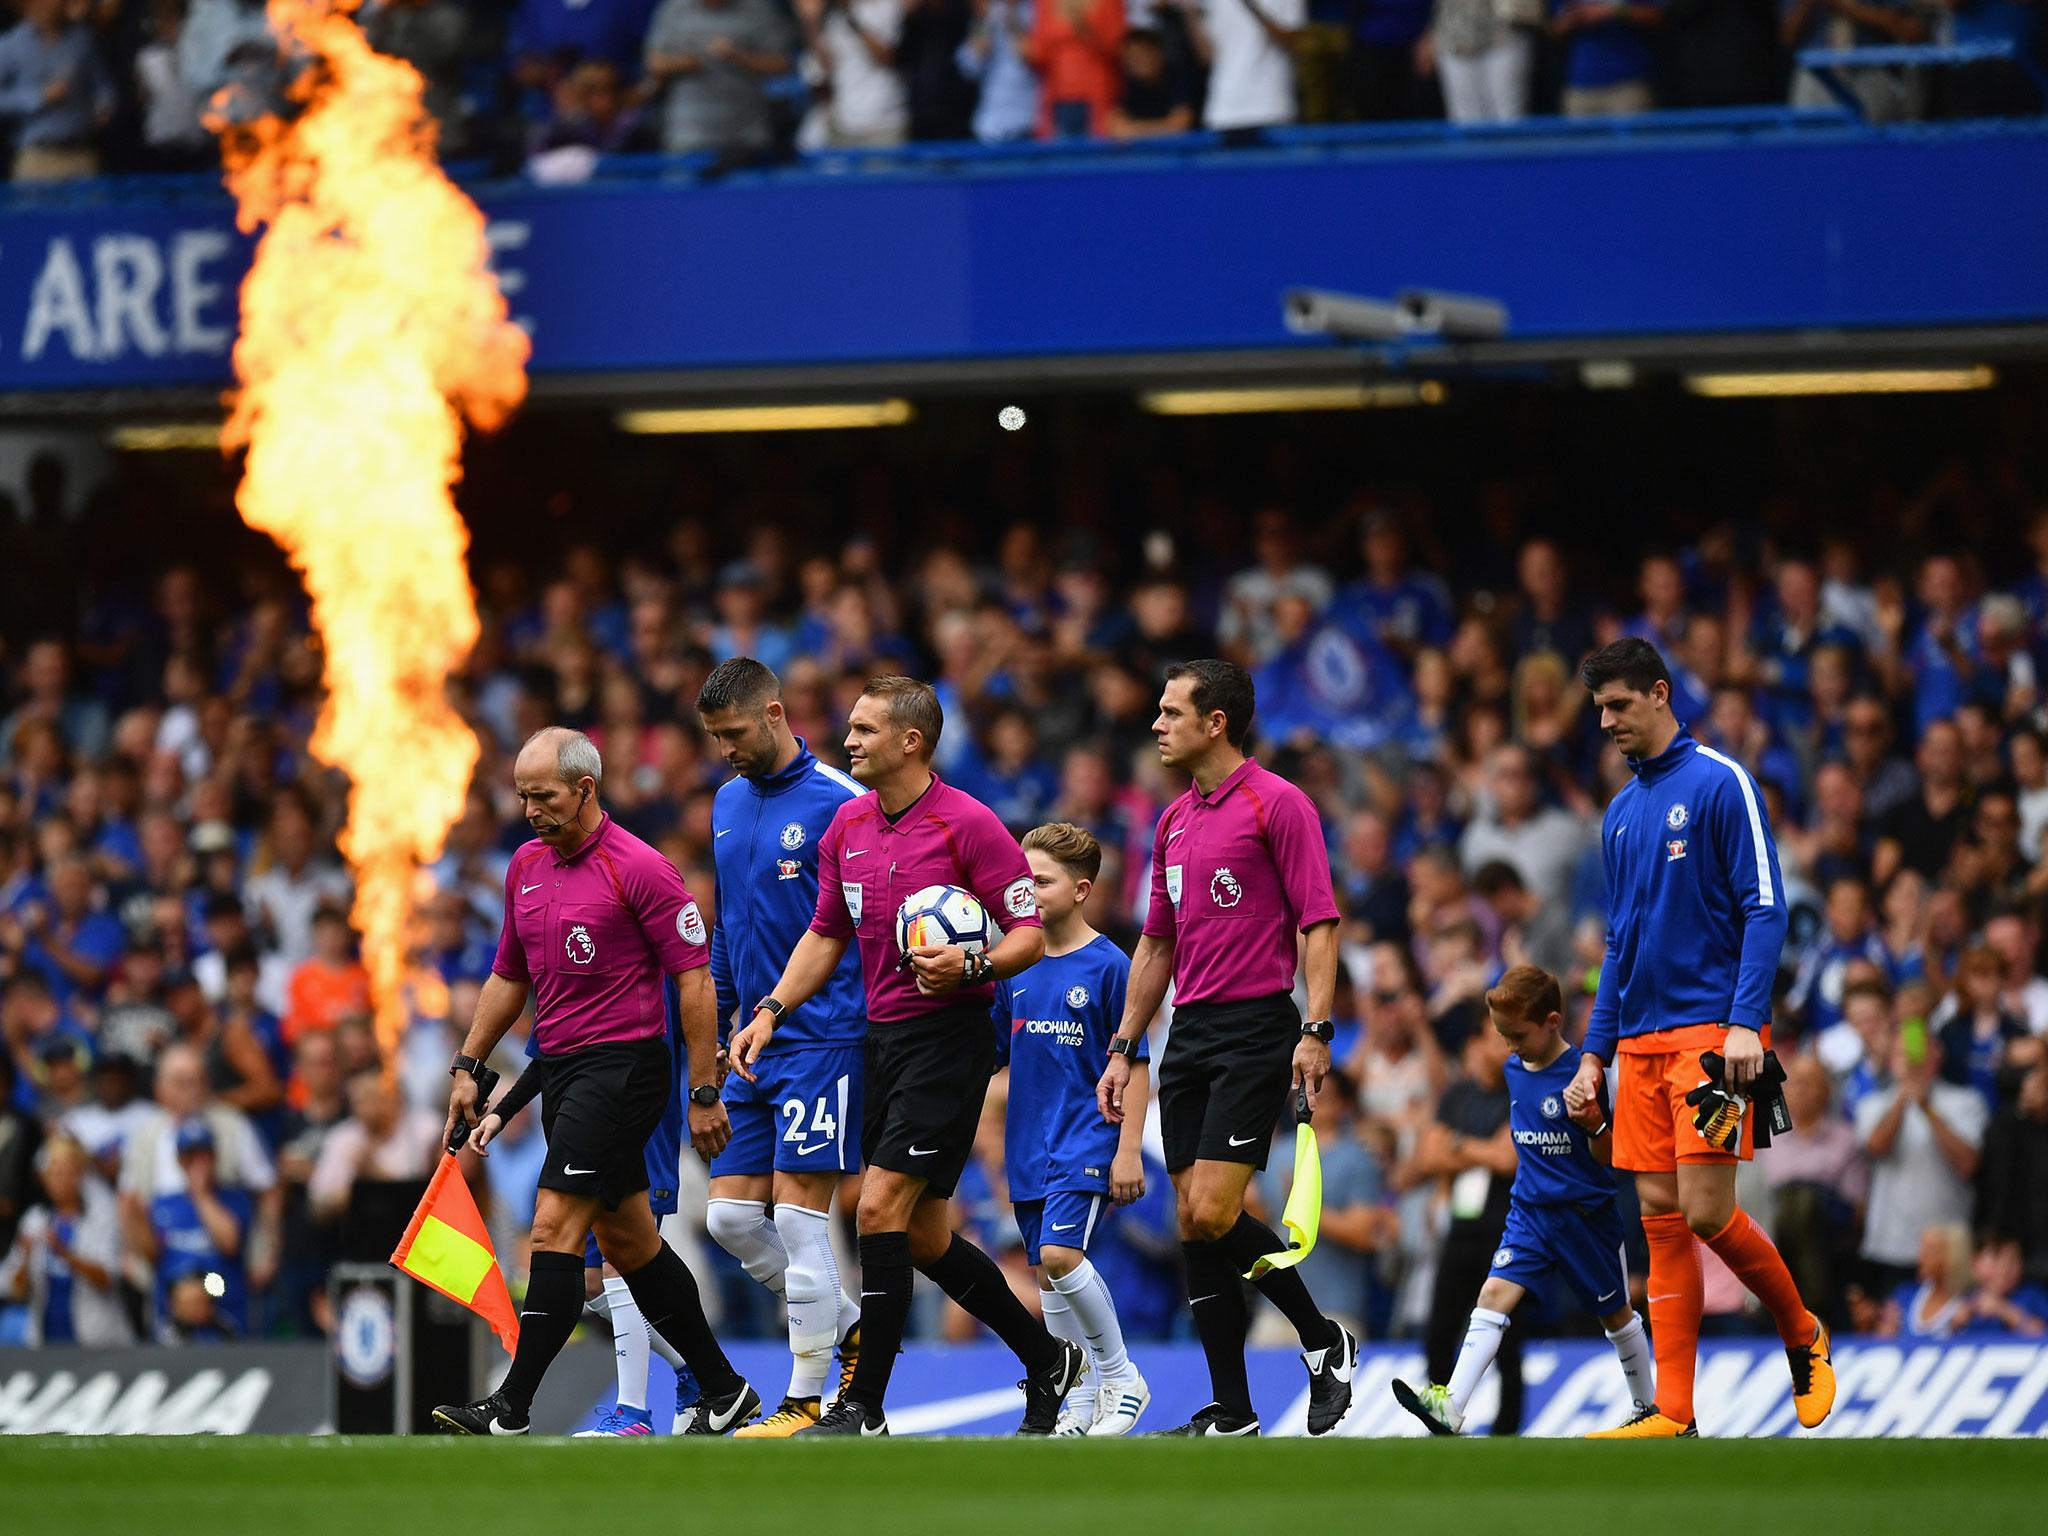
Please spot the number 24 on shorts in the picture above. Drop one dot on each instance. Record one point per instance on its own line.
(822, 1127)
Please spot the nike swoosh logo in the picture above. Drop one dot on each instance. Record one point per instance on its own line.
(720, 833)
(1068, 1227)
(526, 889)
(1608, 1297)
(1016, 991)
(1674, 1296)
(569, 1172)
(860, 853)
(1176, 832)
(720, 1421)
(922, 1151)
(870, 1432)
(1195, 1301)
(1242, 1141)
(806, 1151)
(499, 1429)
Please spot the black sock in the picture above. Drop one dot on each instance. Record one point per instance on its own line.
(550, 1313)
(1216, 1297)
(886, 1279)
(972, 1279)
(667, 1294)
(1251, 1240)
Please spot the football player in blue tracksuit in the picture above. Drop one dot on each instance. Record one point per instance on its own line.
(796, 1129)
(1064, 1161)
(1695, 927)
(1562, 1222)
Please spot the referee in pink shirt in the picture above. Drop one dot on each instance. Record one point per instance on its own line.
(930, 1046)
(595, 923)
(1240, 889)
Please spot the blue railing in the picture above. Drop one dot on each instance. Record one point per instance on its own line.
(1827, 65)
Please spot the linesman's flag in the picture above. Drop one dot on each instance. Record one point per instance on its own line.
(447, 1247)
(1304, 1213)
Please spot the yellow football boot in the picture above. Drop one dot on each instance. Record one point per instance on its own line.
(1813, 1377)
(795, 1415)
(1648, 1425)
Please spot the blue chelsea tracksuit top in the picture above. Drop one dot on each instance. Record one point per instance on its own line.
(764, 850)
(1695, 901)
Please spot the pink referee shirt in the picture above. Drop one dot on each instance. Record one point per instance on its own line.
(866, 868)
(1235, 875)
(594, 934)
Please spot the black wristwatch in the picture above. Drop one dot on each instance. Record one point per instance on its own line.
(1322, 1029)
(771, 1007)
(704, 1095)
(467, 1064)
(1125, 1047)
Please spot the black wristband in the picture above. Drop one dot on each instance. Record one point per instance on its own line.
(1124, 1046)
(467, 1064)
(771, 1007)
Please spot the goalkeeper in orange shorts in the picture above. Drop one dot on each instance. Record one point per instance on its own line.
(1695, 923)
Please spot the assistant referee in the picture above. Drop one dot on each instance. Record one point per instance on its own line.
(1239, 868)
(594, 921)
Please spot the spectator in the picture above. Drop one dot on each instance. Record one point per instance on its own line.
(1485, 55)
(2002, 1303)
(223, 41)
(1857, 1050)
(1887, 782)
(66, 1259)
(1976, 1032)
(71, 941)
(20, 1137)
(2012, 1190)
(1723, 52)
(380, 1139)
(941, 97)
(173, 138)
(593, 116)
(1934, 1304)
(1886, 95)
(53, 84)
(551, 37)
(1248, 46)
(331, 985)
(2028, 750)
(1540, 843)
(1247, 624)
(431, 36)
(1848, 939)
(1375, 891)
(1818, 1183)
(104, 1125)
(1406, 608)
(198, 1233)
(1920, 833)
(1532, 931)
(1382, 82)
(708, 60)
(1075, 47)
(1609, 56)
(1922, 1135)
(293, 883)
(997, 55)
(2013, 933)
(853, 43)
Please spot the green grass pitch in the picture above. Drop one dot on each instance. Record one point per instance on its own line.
(972, 1487)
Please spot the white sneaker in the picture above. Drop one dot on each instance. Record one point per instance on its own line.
(1078, 1416)
(1120, 1404)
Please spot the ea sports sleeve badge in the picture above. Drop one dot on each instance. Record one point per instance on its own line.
(1304, 1213)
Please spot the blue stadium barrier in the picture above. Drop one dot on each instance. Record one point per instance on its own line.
(1887, 1389)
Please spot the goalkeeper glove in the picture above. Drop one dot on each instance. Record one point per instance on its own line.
(1718, 1115)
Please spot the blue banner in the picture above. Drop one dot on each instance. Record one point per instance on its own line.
(1887, 1389)
(1658, 231)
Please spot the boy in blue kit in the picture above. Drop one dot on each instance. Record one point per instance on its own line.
(1055, 1021)
(1562, 1219)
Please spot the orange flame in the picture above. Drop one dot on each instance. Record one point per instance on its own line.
(371, 329)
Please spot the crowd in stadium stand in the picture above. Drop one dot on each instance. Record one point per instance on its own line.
(87, 85)
(191, 1101)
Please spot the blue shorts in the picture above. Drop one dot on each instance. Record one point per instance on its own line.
(662, 1172)
(802, 1116)
(1583, 1243)
(1065, 1220)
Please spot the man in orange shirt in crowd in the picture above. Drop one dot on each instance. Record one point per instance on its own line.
(1075, 47)
(330, 985)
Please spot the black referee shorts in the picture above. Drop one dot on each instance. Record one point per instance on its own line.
(921, 1100)
(1224, 1077)
(598, 1107)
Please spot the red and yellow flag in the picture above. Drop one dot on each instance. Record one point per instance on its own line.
(447, 1247)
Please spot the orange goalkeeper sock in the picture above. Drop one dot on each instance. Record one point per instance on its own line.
(1677, 1301)
(1745, 1248)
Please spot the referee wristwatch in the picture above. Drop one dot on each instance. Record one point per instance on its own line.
(1124, 1046)
(772, 1007)
(468, 1064)
(704, 1095)
(1320, 1029)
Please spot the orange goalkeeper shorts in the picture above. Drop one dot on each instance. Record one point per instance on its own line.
(1653, 1129)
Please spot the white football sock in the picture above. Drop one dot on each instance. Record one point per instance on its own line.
(1061, 1323)
(1482, 1342)
(1638, 1364)
(811, 1288)
(1087, 1297)
(629, 1342)
(742, 1229)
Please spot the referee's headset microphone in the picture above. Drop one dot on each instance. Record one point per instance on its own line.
(575, 819)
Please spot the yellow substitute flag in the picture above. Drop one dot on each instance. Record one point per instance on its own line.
(448, 1247)
(1304, 1213)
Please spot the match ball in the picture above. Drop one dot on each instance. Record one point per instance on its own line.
(1010, 417)
(944, 915)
